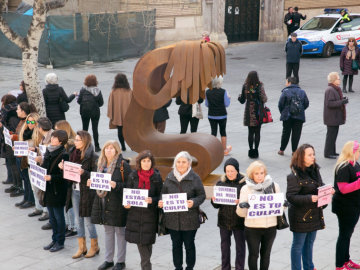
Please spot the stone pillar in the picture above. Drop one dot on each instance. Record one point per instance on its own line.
(271, 20)
(214, 20)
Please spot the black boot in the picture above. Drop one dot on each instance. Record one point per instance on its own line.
(252, 153)
(344, 84)
(351, 78)
(256, 153)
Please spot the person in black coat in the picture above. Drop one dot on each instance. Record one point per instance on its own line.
(141, 224)
(183, 225)
(108, 209)
(288, 20)
(54, 97)
(80, 196)
(296, 17)
(90, 99)
(294, 50)
(56, 188)
(160, 117)
(185, 114)
(346, 202)
(305, 217)
(228, 221)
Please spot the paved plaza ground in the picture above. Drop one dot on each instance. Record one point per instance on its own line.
(21, 239)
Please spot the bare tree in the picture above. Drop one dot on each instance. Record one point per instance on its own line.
(29, 46)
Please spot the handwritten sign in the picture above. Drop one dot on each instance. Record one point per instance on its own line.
(265, 205)
(7, 137)
(135, 197)
(72, 171)
(21, 148)
(37, 174)
(31, 158)
(225, 195)
(324, 195)
(100, 181)
(42, 149)
(176, 202)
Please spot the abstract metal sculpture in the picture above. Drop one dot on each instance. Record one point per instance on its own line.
(184, 69)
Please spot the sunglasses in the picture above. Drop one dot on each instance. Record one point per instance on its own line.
(30, 122)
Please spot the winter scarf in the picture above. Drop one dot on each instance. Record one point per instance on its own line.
(351, 53)
(260, 188)
(179, 176)
(144, 178)
(110, 169)
(53, 148)
(338, 89)
(76, 156)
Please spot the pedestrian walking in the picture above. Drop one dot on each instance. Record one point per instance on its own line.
(288, 20)
(292, 105)
(294, 50)
(346, 202)
(260, 232)
(160, 117)
(297, 17)
(118, 104)
(334, 113)
(217, 99)
(183, 226)
(108, 209)
(186, 115)
(90, 99)
(228, 221)
(253, 93)
(142, 223)
(56, 100)
(349, 63)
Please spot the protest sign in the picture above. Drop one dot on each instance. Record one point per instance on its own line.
(176, 202)
(72, 171)
(7, 137)
(37, 174)
(135, 197)
(21, 148)
(42, 149)
(265, 205)
(225, 195)
(100, 181)
(31, 158)
(324, 195)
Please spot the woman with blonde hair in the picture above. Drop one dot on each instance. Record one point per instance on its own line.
(260, 232)
(65, 125)
(346, 202)
(108, 209)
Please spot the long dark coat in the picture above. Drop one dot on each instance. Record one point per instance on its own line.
(109, 210)
(87, 195)
(334, 110)
(141, 224)
(345, 64)
(304, 215)
(90, 103)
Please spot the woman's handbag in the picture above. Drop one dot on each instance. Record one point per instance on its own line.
(202, 216)
(267, 117)
(282, 222)
(64, 106)
(161, 224)
(197, 111)
(355, 65)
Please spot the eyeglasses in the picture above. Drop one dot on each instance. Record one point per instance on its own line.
(76, 140)
(30, 122)
(351, 41)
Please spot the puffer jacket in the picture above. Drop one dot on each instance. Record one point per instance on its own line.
(304, 215)
(193, 187)
(285, 101)
(141, 224)
(227, 217)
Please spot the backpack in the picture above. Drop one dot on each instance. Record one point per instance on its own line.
(295, 105)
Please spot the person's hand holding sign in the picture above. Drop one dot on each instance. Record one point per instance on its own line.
(81, 171)
(113, 184)
(88, 182)
(190, 203)
(314, 198)
(160, 204)
(127, 206)
(47, 177)
(61, 165)
(148, 200)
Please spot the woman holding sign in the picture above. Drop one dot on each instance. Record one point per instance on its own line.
(183, 224)
(260, 232)
(305, 217)
(82, 197)
(108, 209)
(346, 202)
(141, 224)
(228, 221)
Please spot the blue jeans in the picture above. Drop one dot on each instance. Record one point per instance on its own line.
(302, 247)
(70, 219)
(28, 192)
(57, 221)
(80, 221)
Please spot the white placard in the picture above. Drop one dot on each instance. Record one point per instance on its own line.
(72, 171)
(135, 197)
(31, 158)
(7, 137)
(21, 148)
(42, 149)
(265, 205)
(100, 181)
(225, 195)
(37, 174)
(176, 202)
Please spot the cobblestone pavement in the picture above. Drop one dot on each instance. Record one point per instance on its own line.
(21, 239)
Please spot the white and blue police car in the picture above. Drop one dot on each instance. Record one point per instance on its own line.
(324, 34)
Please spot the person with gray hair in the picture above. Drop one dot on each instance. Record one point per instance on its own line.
(55, 98)
(217, 99)
(183, 225)
(334, 113)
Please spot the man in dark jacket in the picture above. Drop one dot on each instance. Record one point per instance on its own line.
(288, 20)
(292, 105)
(293, 49)
(296, 19)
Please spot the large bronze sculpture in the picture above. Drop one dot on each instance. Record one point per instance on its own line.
(185, 68)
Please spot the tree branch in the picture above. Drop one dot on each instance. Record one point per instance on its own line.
(11, 35)
(54, 4)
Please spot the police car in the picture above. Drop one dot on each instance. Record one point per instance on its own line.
(324, 34)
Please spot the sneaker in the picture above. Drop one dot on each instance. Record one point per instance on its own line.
(351, 264)
(281, 153)
(47, 226)
(70, 233)
(37, 212)
(44, 216)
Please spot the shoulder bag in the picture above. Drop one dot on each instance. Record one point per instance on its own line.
(281, 220)
(64, 106)
(355, 65)
(267, 117)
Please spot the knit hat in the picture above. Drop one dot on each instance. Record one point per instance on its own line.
(232, 162)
